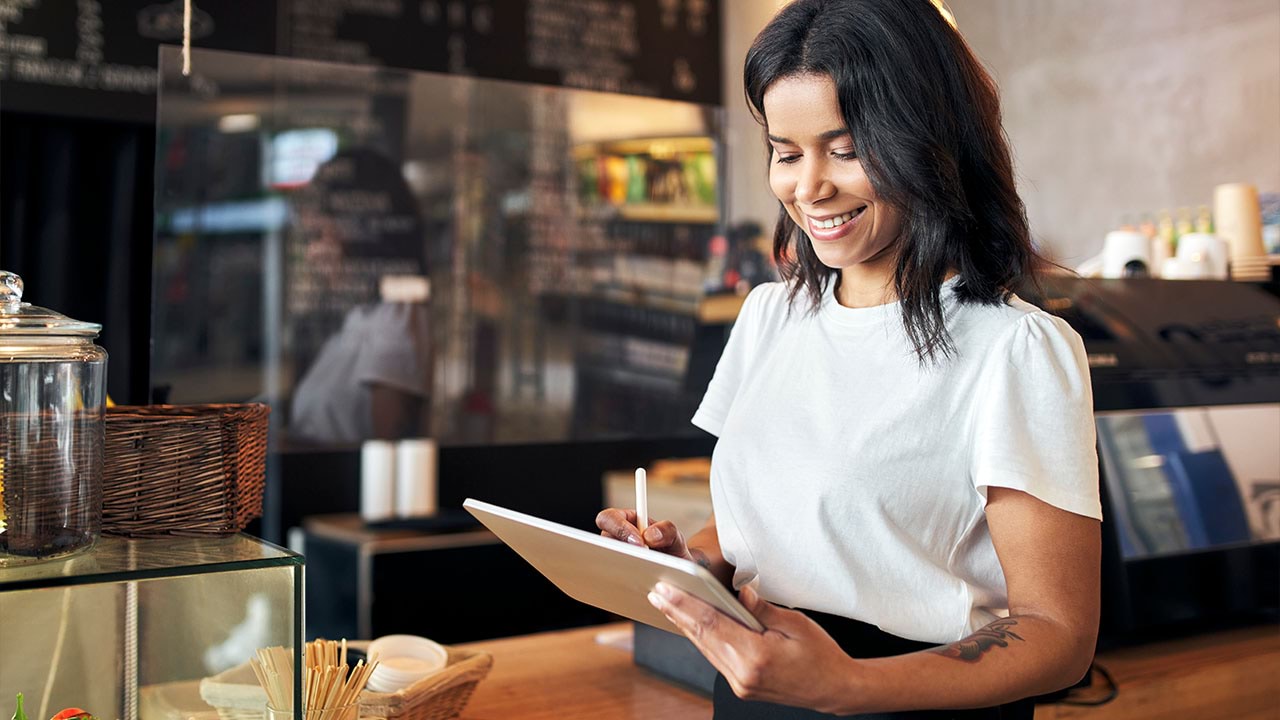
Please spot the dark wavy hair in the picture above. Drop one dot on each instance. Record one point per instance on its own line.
(925, 121)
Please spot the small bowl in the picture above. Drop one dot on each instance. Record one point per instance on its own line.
(404, 660)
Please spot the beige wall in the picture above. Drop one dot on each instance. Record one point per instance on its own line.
(748, 196)
(1113, 107)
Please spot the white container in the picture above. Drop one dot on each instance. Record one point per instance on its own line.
(416, 492)
(404, 660)
(1200, 249)
(1122, 251)
(377, 480)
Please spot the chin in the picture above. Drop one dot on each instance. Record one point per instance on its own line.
(836, 259)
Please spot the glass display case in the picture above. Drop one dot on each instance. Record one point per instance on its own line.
(130, 628)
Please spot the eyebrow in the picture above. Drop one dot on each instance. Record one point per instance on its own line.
(828, 135)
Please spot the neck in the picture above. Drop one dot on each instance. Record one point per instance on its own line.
(866, 284)
(870, 284)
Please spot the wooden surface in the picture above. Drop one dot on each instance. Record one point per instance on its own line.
(569, 676)
(1232, 675)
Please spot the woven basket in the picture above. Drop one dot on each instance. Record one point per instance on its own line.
(236, 695)
(436, 697)
(183, 469)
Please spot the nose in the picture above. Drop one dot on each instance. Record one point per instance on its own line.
(814, 183)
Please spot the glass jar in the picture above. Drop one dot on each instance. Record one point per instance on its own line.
(52, 425)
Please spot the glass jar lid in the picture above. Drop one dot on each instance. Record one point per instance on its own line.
(24, 319)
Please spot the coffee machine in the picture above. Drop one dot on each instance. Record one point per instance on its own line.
(1186, 384)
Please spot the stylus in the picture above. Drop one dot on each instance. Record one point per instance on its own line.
(642, 501)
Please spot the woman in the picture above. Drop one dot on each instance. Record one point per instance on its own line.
(906, 449)
(357, 305)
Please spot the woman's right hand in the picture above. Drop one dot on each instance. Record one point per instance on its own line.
(620, 524)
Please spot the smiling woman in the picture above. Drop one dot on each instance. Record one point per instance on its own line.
(895, 86)
(816, 174)
(905, 483)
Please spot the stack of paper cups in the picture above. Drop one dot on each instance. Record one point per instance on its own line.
(1237, 218)
(416, 478)
(377, 480)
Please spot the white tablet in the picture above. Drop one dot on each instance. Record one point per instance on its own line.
(609, 574)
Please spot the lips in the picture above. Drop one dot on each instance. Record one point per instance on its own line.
(833, 227)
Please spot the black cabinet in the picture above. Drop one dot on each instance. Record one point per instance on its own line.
(451, 587)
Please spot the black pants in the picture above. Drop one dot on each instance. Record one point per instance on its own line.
(859, 640)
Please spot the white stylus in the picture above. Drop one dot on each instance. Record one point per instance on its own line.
(642, 501)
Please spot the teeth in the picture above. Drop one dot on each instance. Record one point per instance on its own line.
(835, 221)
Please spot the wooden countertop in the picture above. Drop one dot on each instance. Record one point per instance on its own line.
(1232, 675)
(567, 675)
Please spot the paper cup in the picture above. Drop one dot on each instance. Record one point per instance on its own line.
(404, 660)
(1237, 218)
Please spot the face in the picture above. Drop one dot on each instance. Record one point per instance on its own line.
(816, 174)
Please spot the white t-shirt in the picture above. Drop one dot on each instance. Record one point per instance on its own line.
(849, 479)
(376, 345)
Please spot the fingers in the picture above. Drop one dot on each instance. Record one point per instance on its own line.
(664, 536)
(774, 618)
(619, 525)
(697, 624)
(728, 645)
(698, 619)
(751, 600)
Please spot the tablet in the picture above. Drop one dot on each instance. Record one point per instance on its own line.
(609, 574)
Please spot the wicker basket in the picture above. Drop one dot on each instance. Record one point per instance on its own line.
(236, 695)
(183, 469)
(436, 697)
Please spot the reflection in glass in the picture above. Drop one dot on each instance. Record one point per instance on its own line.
(397, 254)
(1190, 479)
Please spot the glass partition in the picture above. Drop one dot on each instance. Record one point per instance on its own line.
(381, 253)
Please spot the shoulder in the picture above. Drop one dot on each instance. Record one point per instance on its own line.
(1013, 329)
(768, 295)
(766, 305)
(1018, 337)
(1011, 322)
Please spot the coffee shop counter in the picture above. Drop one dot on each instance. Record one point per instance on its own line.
(571, 675)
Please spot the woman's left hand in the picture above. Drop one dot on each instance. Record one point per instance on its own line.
(793, 662)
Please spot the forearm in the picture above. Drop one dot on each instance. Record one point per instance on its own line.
(704, 546)
(1012, 658)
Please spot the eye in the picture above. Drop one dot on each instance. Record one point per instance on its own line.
(785, 159)
(850, 155)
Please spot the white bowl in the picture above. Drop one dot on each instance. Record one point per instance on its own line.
(404, 660)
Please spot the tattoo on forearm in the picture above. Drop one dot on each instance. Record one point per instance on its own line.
(700, 558)
(972, 648)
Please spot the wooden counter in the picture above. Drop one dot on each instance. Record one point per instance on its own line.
(569, 676)
(1231, 675)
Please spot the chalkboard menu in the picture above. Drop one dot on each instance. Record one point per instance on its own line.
(98, 57)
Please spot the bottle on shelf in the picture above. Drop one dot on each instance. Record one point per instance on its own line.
(1166, 233)
(1204, 220)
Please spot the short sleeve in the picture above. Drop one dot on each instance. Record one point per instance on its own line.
(732, 365)
(1033, 427)
(389, 356)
